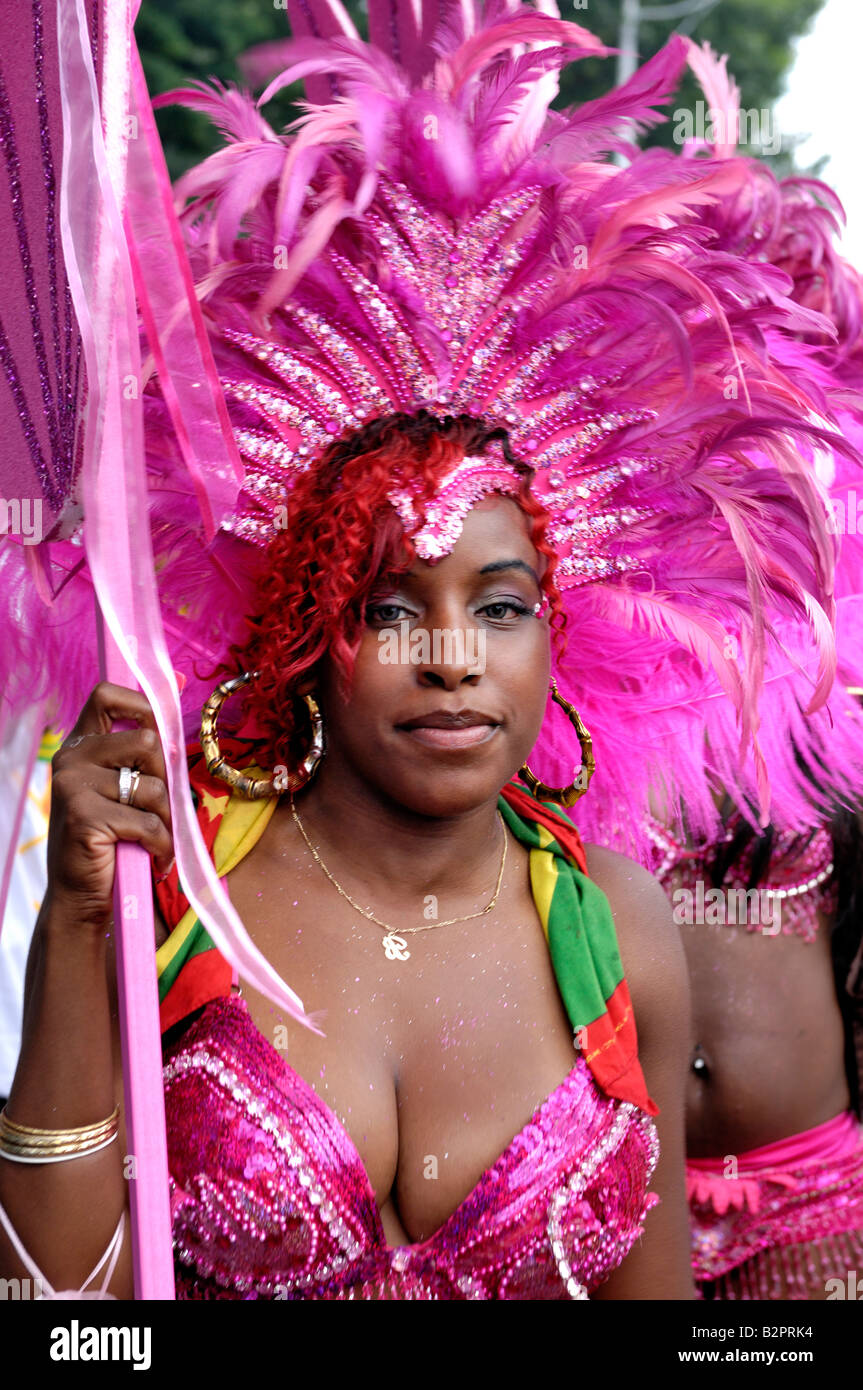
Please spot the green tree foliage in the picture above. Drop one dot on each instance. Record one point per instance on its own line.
(758, 36)
(182, 40)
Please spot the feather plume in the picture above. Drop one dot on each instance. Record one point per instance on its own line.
(723, 95)
(594, 127)
(232, 111)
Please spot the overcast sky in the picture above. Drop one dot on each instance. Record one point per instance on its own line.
(824, 92)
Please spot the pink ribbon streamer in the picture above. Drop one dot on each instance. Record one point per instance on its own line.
(173, 320)
(119, 553)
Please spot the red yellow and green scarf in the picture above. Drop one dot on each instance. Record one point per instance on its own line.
(575, 915)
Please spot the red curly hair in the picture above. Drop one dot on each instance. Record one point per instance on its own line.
(344, 541)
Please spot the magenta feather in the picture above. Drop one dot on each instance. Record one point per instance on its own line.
(347, 59)
(723, 96)
(595, 125)
(526, 26)
(232, 111)
(317, 19)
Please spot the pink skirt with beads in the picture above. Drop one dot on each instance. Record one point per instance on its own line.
(780, 1221)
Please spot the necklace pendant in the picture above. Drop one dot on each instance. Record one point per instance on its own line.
(395, 947)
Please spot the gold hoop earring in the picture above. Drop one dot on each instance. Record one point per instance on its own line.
(256, 788)
(565, 796)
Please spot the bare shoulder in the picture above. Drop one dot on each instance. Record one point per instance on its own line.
(642, 912)
(649, 942)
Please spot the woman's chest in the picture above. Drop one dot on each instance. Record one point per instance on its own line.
(430, 1064)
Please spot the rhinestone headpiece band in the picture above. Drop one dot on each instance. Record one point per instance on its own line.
(470, 480)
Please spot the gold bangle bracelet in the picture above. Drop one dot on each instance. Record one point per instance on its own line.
(57, 1140)
(24, 1155)
(51, 1145)
(18, 1141)
(27, 1144)
(52, 1135)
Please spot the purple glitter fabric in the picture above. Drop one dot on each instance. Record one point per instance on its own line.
(40, 347)
(270, 1198)
(799, 888)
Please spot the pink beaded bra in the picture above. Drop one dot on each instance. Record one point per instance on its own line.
(270, 1198)
(801, 888)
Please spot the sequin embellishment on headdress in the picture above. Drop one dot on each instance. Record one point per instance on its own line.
(464, 486)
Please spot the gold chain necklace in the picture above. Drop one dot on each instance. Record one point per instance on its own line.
(394, 944)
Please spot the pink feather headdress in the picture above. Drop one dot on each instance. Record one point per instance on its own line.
(435, 235)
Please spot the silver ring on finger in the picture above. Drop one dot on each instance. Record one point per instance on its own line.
(129, 779)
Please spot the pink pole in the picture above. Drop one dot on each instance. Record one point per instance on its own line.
(146, 1159)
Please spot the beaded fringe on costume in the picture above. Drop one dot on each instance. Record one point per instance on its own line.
(791, 1271)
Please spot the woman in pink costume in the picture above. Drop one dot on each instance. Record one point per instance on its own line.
(775, 1158)
(452, 421)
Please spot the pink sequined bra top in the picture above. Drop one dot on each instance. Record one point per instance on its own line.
(798, 889)
(270, 1198)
